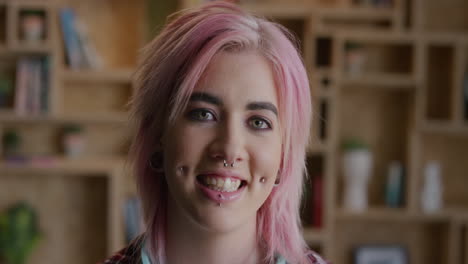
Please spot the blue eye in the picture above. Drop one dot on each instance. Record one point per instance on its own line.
(259, 123)
(201, 115)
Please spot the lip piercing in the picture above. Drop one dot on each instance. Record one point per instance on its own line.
(219, 204)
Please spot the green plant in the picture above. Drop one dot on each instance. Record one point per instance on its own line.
(354, 144)
(72, 129)
(19, 233)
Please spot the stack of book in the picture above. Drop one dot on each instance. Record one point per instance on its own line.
(32, 86)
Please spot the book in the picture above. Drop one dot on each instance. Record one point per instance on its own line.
(32, 86)
(70, 37)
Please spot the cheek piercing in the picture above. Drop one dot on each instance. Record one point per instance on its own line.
(262, 180)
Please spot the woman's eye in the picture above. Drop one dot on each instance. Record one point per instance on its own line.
(259, 123)
(201, 115)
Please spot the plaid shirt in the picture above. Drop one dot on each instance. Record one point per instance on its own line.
(132, 255)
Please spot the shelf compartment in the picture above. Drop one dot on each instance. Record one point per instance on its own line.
(419, 239)
(123, 26)
(381, 120)
(102, 98)
(364, 57)
(433, 19)
(40, 139)
(66, 207)
(439, 84)
(450, 151)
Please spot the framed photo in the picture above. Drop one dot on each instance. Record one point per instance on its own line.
(381, 255)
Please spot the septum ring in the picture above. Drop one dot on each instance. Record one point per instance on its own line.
(226, 164)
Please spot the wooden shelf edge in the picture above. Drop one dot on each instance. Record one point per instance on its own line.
(400, 215)
(60, 165)
(106, 75)
(361, 13)
(384, 80)
(105, 118)
(444, 127)
(279, 10)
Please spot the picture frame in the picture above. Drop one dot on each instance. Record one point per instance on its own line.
(381, 254)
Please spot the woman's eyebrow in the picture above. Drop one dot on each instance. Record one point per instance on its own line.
(263, 106)
(206, 97)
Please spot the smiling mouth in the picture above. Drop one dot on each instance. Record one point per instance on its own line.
(221, 184)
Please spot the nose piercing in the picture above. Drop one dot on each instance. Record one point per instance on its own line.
(262, 180)
(226, 164)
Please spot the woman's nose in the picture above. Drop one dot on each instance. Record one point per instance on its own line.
(229, 143)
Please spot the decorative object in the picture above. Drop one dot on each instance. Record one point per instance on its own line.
(381, 255)
(394, 186)
(32, 26)
(11, 142)
(19, 233)
(357, 167)
(73, 141)
(431, 195)
(355, 59)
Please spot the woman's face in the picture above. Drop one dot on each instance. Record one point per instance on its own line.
(232, 115)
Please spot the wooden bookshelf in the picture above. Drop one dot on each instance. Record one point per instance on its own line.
(78, 197)
(405, 103)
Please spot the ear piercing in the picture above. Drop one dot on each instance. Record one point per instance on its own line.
(277, 182)
(226, 164)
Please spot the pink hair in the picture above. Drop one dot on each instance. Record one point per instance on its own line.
(171, 67)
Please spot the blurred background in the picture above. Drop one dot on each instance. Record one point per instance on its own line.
(387, 162)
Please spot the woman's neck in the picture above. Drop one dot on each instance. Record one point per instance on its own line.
(187, 242)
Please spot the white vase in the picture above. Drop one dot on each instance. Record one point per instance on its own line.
(357, 167)
(431, 195)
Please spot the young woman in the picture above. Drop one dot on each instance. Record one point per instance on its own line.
(222, 114)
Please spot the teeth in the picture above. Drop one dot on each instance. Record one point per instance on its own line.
(218, 184)
(227, 184)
